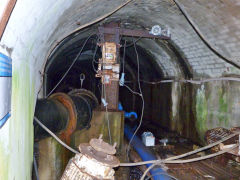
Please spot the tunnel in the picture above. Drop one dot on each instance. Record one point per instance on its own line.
(184, 89)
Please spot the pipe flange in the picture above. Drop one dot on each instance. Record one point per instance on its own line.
(100, 145)
(84, 92)
(72, 122)
(101, 157)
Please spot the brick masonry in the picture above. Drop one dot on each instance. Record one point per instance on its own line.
(220, 29)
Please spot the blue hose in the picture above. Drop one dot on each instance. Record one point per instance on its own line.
(145, 154)
(127, 114)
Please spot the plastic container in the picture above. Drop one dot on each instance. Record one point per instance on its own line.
(148, 139)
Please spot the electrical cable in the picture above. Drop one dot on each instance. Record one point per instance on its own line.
(87, 25)
(94, 55)
(149, 177)
(76, 58)
(189, 160)
(182, 155)
(124, 53)
(202, 157)
(167, 161)
(191, 80)
(133, 92)
(128, 45)
(109, 130)
(141, 95)
(149, 168)
(35, 167)
(105, 98)
(146, 171)
(54, 136)
(171, 160)
(197, 30)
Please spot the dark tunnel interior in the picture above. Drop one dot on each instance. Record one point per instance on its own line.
(149, 71)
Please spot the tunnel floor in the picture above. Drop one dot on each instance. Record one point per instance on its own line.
(206, 169)
(220, 167)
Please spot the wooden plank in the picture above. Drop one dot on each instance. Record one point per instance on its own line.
(6, 15)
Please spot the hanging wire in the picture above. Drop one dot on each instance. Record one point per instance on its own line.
(94, 55)
(76, 58)
(192, 81)
(103, 94)
(133, 92)
(189, 160)
(101, 18)
(171, 160)
(201, 36)
(129, 45)
(141, 95)
(109, 130)
(54, 136)
(124, 53)
(155, 174)
(149, 177)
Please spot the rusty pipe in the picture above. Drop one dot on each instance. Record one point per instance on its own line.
(64, 113)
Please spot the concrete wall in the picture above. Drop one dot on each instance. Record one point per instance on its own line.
(25, 39)
(191, 109)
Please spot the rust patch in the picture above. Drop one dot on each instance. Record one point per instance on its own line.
(72, 122)
(217, 134)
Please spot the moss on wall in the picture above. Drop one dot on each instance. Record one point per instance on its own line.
(222, 107)
(4, 157)
(201, 111)
(21, 123)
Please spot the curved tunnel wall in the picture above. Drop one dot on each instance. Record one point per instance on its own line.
(35, 26)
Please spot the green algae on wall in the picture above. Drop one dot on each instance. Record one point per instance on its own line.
(4, 157)
(21, 124)
(223, 108)
(16, 142)
(201, 112)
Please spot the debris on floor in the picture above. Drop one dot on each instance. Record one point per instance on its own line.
(216, 134)
(225, 166)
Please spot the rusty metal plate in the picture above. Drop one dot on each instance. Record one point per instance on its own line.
(217, 134)
(106, 159)
(100, 145)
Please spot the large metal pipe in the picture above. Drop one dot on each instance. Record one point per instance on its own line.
(51, 113)
(64, 113)
(145, 154)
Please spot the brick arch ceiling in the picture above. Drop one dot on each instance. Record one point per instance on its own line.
(35, 26)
